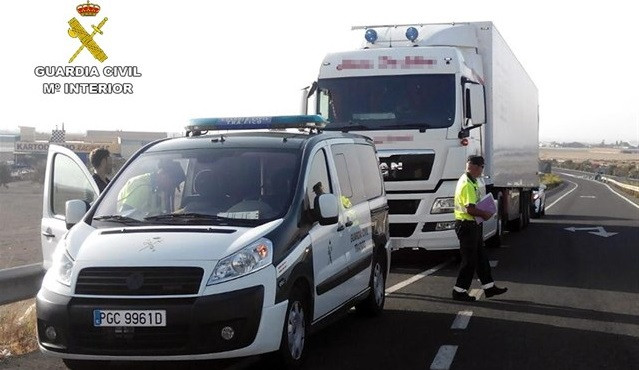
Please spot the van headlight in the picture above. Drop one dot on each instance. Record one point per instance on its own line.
(63, 267)
(443, 205)
(245, 261)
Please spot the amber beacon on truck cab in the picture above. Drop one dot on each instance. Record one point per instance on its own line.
(219, 244)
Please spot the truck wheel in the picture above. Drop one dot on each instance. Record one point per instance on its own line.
(84, 364)
(292, 350)
(373, 304)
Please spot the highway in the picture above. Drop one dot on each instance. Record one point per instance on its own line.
(573, 301)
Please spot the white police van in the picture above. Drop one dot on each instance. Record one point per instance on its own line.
(219, 244)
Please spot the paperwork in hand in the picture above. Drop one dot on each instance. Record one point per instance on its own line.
(486, 203)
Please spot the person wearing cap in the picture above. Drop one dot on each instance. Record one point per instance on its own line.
(469, 232)
(152, 193)
(100, 159)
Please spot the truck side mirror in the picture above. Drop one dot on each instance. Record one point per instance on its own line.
(307, 92)
(328, 209)
(475, 104)
(74, 211)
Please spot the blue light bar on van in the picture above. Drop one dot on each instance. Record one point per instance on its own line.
(255, 123)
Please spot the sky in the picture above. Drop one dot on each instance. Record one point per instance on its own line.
(252, 58)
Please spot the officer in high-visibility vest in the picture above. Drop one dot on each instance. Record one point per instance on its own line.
(469, 233)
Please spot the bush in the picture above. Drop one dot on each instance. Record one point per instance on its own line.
(550, 180)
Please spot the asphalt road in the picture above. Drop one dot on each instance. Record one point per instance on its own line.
(573, 302)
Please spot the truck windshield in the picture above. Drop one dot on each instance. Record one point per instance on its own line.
(235, 186)
(388, 102)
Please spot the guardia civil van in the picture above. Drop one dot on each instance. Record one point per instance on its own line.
(214, 245)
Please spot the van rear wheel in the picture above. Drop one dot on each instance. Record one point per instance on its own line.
(373, 304)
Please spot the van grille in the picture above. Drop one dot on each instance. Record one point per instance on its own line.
(127, 281)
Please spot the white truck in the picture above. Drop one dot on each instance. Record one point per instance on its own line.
(430, 95)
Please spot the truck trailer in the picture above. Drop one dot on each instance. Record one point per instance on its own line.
(430, 95)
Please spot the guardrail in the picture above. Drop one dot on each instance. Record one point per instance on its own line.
(18, 283)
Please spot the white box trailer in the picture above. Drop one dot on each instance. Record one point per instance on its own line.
(429, 95)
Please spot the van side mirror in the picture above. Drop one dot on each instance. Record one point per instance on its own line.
(74, 211)
(328, 209)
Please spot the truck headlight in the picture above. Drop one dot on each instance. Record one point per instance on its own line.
(245, 261)
(443, 205)
(63, 267)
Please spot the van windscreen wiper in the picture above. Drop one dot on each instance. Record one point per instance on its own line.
(118, 218)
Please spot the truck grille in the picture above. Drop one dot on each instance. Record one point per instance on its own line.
(127, 281)
(403, 207)
(402, 230)
(407, 167)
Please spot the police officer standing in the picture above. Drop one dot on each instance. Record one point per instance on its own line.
(100, 159)
(470, 234)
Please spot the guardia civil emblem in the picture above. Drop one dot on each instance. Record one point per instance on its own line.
(87, 41)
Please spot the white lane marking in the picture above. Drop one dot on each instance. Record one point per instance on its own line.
(622, 196)
(587, 196)
(461, 320)
(417, 277)
(563, 196)
(493, 264)
(608, 186)
(477, 293)
(444, 358)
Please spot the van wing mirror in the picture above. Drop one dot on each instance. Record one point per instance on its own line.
(328, 209)
(74, 211)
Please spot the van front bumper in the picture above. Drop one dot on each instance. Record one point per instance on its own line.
(193, 330)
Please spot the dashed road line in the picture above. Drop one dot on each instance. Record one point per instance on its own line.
(461, 320)
(444, 358)
(417, 277)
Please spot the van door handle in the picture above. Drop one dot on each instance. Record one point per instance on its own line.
(349, 223)
(340, 227)
(48, 234)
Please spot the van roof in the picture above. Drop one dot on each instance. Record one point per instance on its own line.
(253, 139)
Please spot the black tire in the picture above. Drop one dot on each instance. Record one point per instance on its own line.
(84, 364)
(373, 304)
(292, 352)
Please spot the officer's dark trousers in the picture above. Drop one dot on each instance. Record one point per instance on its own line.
(473, 256)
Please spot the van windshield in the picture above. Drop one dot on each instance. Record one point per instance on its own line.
(202, 186)
(388, 102)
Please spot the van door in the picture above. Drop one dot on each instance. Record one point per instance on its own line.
(355, 217)
(329, 250)
(66, 178)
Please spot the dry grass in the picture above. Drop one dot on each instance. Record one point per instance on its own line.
(18, 328)
(605, 155)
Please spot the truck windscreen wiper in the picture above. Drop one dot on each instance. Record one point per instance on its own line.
(118, 218)
(406, 126)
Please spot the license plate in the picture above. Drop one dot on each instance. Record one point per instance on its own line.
(138, 318)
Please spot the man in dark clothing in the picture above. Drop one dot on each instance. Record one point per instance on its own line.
(470, 234)
(101, 161)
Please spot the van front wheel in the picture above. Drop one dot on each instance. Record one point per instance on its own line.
(293, 345)
(373, 304)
